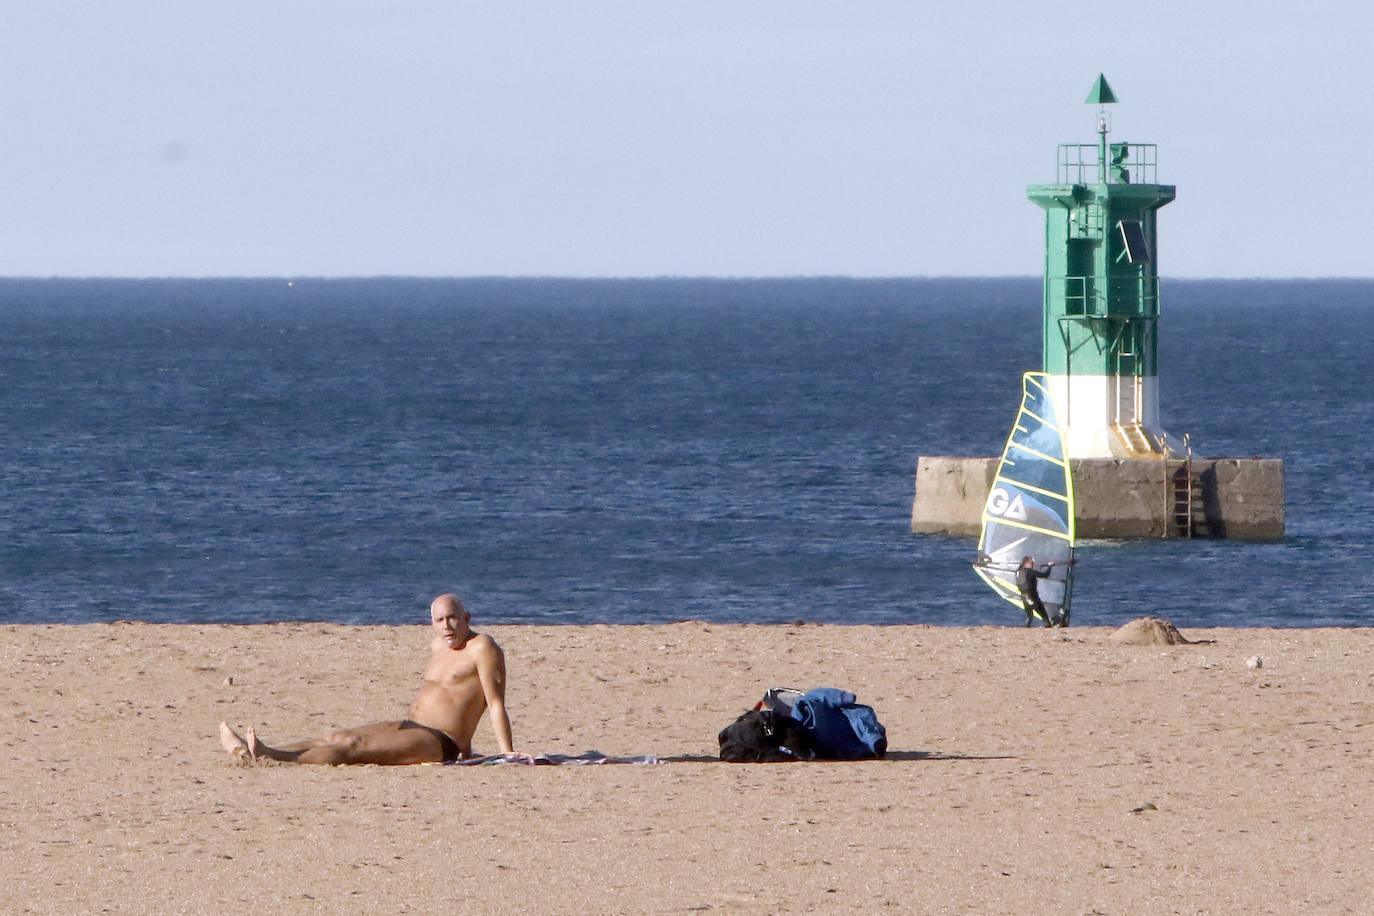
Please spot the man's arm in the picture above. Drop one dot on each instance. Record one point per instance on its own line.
(491, 671)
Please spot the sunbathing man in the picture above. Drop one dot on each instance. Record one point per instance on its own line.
(466, 674)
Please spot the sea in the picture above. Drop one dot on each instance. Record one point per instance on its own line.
(624, 451)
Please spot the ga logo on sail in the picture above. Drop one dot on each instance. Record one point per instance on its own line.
(1006, 505)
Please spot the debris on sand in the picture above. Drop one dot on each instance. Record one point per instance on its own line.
(1149, 631)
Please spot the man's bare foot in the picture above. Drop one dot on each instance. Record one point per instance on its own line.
(255, 746)
(238, 748)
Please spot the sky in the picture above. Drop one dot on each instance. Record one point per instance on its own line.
(625, 138)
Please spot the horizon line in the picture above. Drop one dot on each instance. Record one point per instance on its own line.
(739, 278)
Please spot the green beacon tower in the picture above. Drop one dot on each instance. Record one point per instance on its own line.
(1101, 292)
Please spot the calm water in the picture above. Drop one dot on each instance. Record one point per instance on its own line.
(565, 451)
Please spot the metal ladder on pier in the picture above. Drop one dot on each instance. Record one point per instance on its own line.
(1185, 496)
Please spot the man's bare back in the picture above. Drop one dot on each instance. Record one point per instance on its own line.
(466, 676)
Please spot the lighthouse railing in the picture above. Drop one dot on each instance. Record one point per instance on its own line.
(1128, 163)
(1133, 296)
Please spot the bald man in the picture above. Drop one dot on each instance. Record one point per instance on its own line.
(466, 676)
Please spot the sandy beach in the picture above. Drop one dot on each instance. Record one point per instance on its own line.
(1030, 771)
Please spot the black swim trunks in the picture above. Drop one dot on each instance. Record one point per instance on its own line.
(450, 747)
(447, 746)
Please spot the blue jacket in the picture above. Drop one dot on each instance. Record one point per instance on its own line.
(840, 729)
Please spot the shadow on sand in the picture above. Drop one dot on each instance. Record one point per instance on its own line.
(891, 755)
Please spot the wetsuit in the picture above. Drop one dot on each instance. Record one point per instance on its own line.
(1030, 593)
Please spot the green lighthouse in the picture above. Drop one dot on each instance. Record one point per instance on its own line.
(1101, 292)
(1100, 339)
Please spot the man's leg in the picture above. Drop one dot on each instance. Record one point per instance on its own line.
(1034, 608)
(383, 743)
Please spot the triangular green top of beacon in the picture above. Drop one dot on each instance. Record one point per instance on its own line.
(1101, 93)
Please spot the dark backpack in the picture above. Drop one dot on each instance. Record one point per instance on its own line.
(764, 736)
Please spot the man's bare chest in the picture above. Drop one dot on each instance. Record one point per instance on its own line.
(451, 670)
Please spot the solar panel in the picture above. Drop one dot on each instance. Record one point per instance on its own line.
(1133, 241)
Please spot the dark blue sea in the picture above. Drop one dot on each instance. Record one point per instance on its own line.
(625, 451)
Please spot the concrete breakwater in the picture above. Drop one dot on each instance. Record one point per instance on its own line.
(1240, 498)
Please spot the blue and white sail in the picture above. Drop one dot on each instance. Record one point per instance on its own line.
(1029, 510)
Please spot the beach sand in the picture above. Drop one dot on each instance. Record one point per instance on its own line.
(1030, 771)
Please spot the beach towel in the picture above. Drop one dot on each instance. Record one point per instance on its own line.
(584, 759)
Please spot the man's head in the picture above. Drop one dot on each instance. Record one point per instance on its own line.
(1027, 561)
(451, 620)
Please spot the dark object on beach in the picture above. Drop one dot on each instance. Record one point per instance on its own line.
(764, 736)
(821, 724)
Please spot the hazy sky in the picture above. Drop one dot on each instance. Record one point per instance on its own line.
(620, 138)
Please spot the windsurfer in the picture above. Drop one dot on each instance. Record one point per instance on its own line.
(1026, 577)
(1029, 513)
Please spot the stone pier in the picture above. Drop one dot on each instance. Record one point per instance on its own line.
(1241, 498)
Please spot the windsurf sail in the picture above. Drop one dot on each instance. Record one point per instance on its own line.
(1029, 510)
